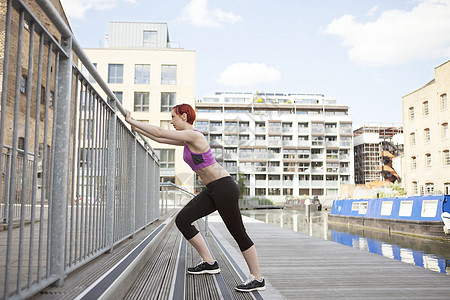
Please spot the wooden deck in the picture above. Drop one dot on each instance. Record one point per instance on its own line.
(295, 265)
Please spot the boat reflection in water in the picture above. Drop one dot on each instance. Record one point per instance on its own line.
(426, 253)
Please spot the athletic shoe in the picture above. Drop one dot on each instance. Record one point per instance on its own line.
(252, 284)
(205, 268)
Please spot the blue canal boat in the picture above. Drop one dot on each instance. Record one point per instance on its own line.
(426, 216)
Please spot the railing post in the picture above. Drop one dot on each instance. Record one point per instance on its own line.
(111, 178)
(61, 149)
(132, 183)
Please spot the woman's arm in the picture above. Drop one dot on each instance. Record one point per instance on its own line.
(159, 140)
(174, 137)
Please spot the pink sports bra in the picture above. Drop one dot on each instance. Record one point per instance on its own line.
(198, 160)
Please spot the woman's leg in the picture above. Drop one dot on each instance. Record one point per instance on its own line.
(200, 206)
(225, 197)
(252, 261)
(198, 242)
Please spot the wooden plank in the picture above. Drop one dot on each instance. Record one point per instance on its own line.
(302, 267)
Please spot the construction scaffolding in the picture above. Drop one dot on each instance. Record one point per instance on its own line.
(375, 147)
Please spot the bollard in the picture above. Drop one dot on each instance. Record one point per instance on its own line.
(308, 208)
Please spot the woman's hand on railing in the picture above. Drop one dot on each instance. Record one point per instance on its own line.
(128, 117)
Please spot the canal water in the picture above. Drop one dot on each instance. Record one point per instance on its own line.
(426, 253)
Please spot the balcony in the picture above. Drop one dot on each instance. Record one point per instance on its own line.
(230, 142)
(288, 143)
(260, 142)
(344, 170)
(304, 183)
(260, 130)
(332, 183)
(233, 129)
(274, 182)
(216, 128)
(332, 144)
(303, 143)
(276, 170)
(277, 156)
(232, 156)
(303, 130)
(317, 170)
(260, 183)
(317, 183)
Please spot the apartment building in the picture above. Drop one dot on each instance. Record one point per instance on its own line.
(149, 75)
(375, 148)
(284, 145)
(426, 115)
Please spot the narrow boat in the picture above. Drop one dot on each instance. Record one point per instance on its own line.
(424, 216)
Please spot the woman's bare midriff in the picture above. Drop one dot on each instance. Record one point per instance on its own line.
(211, 173)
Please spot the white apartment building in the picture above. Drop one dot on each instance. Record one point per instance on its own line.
(149, 77)
(426, 115)
(286, 145)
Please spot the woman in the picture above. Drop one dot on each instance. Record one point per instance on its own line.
(221, 193)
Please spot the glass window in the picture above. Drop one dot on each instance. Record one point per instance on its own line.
(363, 208)
(141, 101)
(150, 39)
(425, 108)
(164, 124)
(444, 101)
(23, 84)
(426, 135)
(411, 113)
(167, 158)
(429, 208)
(412, 139)
(386, 208)
(413, 163)
(429, 188)
(168, 101)
(446, 157)
(444, 130)
(415, 188)
(168, 74)
(142, 74)
(115, 73)
(119, 96)
(405, 208)
(428, 160)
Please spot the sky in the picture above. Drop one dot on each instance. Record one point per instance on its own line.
(366, 54)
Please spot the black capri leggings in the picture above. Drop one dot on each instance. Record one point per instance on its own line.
(221, 195)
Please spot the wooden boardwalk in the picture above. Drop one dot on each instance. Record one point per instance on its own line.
(295, 265)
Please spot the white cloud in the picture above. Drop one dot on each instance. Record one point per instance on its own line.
(372, 11)
(197, 13)
(248, 74)
(77, 8)
(397, 36)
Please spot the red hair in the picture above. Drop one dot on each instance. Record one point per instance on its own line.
(184, 108)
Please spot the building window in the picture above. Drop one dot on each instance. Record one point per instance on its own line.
(447, 188)
(115, 73)
(168, 101)
(168, 74)
(425, 108)
(429, 187)
(412, 139)
(446, 158)
(415, 188)
(426, 135)
(142, 74)
(167, 158)
(411, 113)
(428, 160)
(260, 191)
(150, 39)
(119, 96)
(274, 192)
(444, 101)
(23, 84)
(141, 101)
(164, 124)
(413, 163)
(444, 130)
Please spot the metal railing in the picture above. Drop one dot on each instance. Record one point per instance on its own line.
(68, 202)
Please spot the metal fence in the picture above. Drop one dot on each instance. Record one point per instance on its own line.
(75, 180)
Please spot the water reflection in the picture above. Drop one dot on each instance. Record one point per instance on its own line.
(426, 253)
